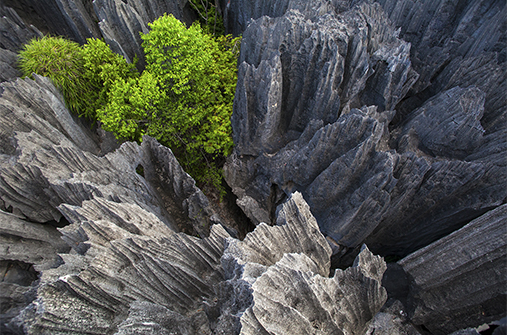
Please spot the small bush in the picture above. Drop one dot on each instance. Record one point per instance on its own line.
(83, 74)
(61, 60)
(183, 98)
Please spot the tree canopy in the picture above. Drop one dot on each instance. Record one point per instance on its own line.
(183, 98)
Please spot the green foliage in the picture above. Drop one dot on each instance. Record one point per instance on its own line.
(61, 60)
(183, 98)
(209, 16)
(198, 73)
(131, 103)
(83, 74)
(103, 68)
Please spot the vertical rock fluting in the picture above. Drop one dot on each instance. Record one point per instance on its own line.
(128, 270)
(299, 72)
(459, 281)
(121, 22)
(53, 166)
(14, 33)
(396, 140)
(455, 43)
(73, 19)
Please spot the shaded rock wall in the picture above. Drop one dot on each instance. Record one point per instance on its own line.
(72, 19)
(118, 22)
(448, 292)
(14, 33)
(389, 118)
(398, 181)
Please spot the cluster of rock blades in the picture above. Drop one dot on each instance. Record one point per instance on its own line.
(356, 122)
(120, 266)
(390, 118)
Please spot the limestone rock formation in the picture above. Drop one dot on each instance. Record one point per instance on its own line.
(282, 273)
(448, 292)
(72, 19)
(14, 34)
(121, 22)
(356, 122)
(124, 260)
(301, 123)
(56, 170)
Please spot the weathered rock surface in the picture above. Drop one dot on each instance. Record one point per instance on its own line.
(26, 248)
(286, 280)
(136, 283)
(386, 119)
(449, 294)
(390, 120)
(455, 44)
(54, 165)
(397, 188)
(72, 19)
(119, 265)
(121, 22)
(47, 154)
(14, 33)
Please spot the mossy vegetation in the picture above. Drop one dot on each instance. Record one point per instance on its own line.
(183, 98)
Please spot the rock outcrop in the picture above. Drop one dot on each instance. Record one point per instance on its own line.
(14, 34)
(123, 259)
(389, 118)
(301, 123)
(56, 170)
(447, 291)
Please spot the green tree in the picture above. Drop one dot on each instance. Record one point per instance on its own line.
(184, 97)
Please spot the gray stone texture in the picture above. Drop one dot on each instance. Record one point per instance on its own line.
(449, 292)
(370, 174)
(355, 122)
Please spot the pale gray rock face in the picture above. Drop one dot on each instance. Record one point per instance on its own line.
(49, 159)
(131, 282)
(26, 248)
(288, 285)
(53, 168)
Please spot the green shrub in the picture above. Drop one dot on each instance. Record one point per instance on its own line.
(183, 98)
(83, 74)
(102, 69)
(62, 61)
